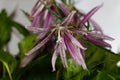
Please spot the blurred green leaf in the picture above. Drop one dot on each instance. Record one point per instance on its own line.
(99, 58)
(20, 28)
(26, 44)
(38, 69)
(8, 61)
(64, 1)
(73, 72)
(5, 29)
(101, 65)
(26, 14)
(102, 75)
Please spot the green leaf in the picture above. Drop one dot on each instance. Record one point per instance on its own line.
(64, 1)
(38, 69)
(102, 75)
(26, 14)
(9, 62)
(99, 58)
(101, 64)
(26, 44)
(20, 28)
(5, 28)
(73, 72)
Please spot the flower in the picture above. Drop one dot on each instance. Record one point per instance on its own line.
(45, 25)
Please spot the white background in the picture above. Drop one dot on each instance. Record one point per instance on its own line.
(108, 17)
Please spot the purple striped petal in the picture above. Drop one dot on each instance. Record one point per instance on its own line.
(38, 18)
(74, 52)
(71, 49)
(68, 19)
(59, 48)
(80, 56)
(76, 20)
(38, 46)
(82, 52)
(97, 41)
(62, 53)
(37, 30)
(81, 32)
(101, 36)
(95, 25)
(64, 9)
(74, 41)
(27, 59)
(42, 35)
(32, 53)
(48, 21)
(35, 8)
(54, 57)
(88, 15)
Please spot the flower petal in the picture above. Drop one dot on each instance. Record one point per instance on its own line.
(27, 59)
(38, 46)
(97, 41)
(37, 30)
(71, 50)
(88, 15)
(32, 53)
(74, 52)
(74, 40)
(54, 57)
(62, 53)
(68, 19)
(35, 8)
(64, 9)
(101, 36)
(80, 56)
(81, 32)
(95, 25)
(48, 21)
(38, 18)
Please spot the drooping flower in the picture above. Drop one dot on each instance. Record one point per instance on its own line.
(45, 25)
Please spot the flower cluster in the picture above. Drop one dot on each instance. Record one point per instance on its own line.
(47, 22)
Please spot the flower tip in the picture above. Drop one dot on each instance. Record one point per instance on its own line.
(53, 70)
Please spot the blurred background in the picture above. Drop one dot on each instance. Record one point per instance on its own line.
(108, 17)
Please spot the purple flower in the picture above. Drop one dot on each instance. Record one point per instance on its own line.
(42, 20)
(45, 25)
(95, 38)
(88, 15)
(66, 41)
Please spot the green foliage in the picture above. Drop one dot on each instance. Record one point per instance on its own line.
(38, 69)
(26, 44)
(9, 62)
(5, 29)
